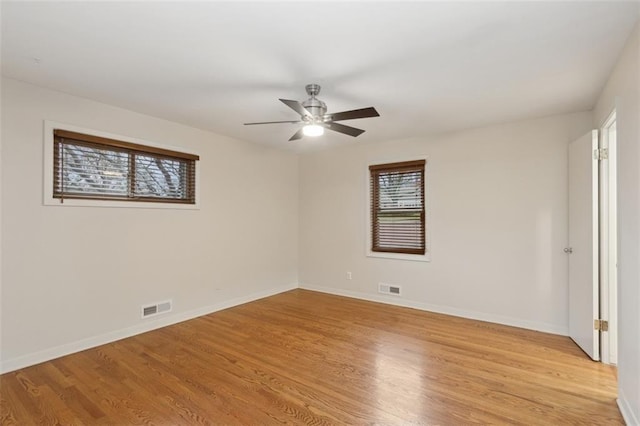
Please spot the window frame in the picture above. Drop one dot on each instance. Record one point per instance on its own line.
(426, 257)
(142, 146)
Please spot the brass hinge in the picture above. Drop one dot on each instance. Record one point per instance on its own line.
(601, 325)
(600, 153)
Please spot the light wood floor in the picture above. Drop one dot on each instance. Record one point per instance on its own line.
(309, 358)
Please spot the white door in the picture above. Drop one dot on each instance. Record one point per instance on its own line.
(583, 241)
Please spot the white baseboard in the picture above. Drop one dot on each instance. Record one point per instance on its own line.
(625, 409)
(481, 316)
(91, 342)
(69, 348)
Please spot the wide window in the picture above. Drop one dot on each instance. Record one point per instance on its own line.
(397, 207)
(92, 167)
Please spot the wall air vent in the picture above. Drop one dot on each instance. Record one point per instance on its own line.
(149, 310)
(389, 289)
(156, 309)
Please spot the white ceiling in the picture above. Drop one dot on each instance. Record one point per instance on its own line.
(428, 67)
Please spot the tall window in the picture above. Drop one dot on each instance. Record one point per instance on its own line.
(397, 207)
(92, 167)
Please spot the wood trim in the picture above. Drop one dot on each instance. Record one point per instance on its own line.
(401, 165)
(123, 145)
(68, 196)
(374, 211)
(423, 216)
(398, 250)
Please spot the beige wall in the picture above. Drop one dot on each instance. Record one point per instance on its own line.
(622, 93)
(497, 203)
(75, 276)
(498, 222)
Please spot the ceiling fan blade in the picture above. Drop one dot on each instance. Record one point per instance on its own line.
(353, 114)
(297, 107)
(341, 128)
(297, 135)
(272, 122)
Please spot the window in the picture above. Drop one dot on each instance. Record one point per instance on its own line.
(93, 167)
(397, 207)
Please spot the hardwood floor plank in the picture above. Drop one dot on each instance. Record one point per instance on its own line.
(309, 358)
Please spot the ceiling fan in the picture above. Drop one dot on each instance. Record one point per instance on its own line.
(314, 116)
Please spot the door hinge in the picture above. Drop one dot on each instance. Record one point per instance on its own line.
(600, 154)
(601, 325)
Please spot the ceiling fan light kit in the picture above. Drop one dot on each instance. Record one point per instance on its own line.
(314, 116)
(313, 130)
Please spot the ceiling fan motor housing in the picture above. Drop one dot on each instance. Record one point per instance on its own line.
(316, 107)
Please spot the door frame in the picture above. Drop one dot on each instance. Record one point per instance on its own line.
(607, 171)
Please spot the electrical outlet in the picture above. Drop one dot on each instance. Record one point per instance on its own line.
(349, 276)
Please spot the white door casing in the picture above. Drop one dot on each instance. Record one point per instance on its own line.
(609, 242)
